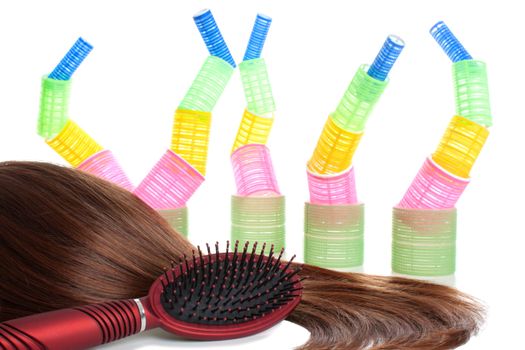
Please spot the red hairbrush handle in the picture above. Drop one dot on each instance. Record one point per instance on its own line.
(76, 328)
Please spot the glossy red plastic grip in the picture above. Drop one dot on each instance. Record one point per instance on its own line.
(70, 329)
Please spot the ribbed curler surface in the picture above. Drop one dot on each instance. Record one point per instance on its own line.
(208, 86)
(472, 91)
(424, 241)
(74, 144)
(253, 129)
(334, 235)
(170, 183)
(433, 188)
(72, 60)
(212, 36)
(358, 101)
(258, 219)
(54, 103)
(177, 218)
(460, 146)
(253, 171)
(449, 43)
(190, 136)
(258, 37)
(335, 149)
(104, 165)
(257, 87)
(386, 57)
(337, 189)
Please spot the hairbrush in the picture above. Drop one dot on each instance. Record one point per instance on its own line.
(205, 297)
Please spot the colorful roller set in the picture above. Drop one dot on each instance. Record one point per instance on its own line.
(258, 207)
(181, 170)
(64, 135)
(424, 221)
(334, 218)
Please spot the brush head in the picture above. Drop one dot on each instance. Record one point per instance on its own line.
(225, 295)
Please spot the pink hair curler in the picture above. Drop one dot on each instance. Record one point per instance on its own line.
(433, 188)
(335, 189)
(253, 170)
(104, 165)
(170, 183)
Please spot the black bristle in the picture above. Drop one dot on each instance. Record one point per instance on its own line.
(222, 289)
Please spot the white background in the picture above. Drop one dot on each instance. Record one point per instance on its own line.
(147, 53)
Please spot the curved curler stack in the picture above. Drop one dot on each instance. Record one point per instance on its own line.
(63, 134)
(334, 218)
(181, 170)
(424, 221)
(258, 208)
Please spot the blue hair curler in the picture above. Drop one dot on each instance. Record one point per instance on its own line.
(386, 58)
(258, 37)
(212, 36)
(449, 43)
(72, 60)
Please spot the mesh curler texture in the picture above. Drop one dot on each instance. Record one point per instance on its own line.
(424, 241)
(386, 57)
(54, 103)
(472, 91)
(433, 188)
(253, 129)
(258, 37)
(177, 218)
(253, 171)
(74, 144)
(449, 43)
(170, 183)
(190, 136)
(212, 36)
(338, 189)
(72, 60)
(258, 219)
(335, 149)
(104, 165)
(257, 87)
(358, 101)
(208, 86)
(460, 146)
(334, 235)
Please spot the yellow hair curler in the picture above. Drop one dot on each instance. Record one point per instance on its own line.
(253, 129)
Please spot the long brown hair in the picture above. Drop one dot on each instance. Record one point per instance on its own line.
(68, 238)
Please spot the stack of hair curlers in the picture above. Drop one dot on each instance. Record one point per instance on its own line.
(61, 133)
(334, 218)
(258, 208)
(182, 168)
(424, 221)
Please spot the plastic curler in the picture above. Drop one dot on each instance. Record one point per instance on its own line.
(170, 183)
(472, 91)
(258, 219)
(190, 136)
(449, 43)
(334, 235)
(358, 101)
(424, 241)
(104, 165)
(72, 60)
(433, 188)
(212, 36)
(253, 129)
(258, 37)
(386, 57)
(208, 85)
(54, 103)
(257, 87)
(335, 149)
(460, 146)
(253, 171)
(177, 218)
(336, 189)
(74, 144)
